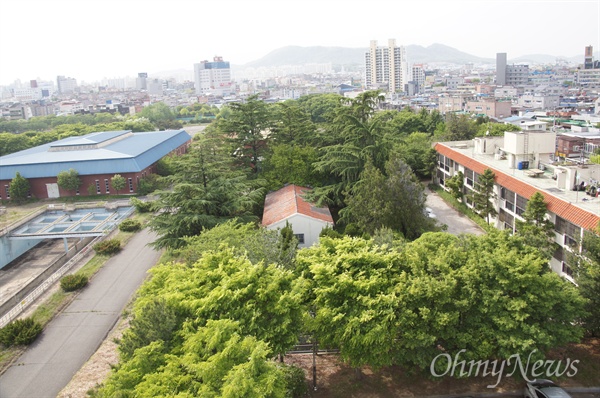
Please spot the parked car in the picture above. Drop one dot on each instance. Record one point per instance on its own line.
(541, 388)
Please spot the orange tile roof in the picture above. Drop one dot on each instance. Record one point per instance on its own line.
(288, 201)
(562, 208)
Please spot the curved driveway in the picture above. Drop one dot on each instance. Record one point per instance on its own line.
(73, 336)
(457, 222)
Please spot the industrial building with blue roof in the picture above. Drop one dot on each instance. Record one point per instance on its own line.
(97, 157)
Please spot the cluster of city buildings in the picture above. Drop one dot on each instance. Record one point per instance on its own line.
(556, 107)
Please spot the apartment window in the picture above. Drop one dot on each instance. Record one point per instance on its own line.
(106, 185)
(507, 219)
(98, 187)
(469, 176)
(130, 184)
(567, 269)
(568, 229)
(521, 205)
(300, 238)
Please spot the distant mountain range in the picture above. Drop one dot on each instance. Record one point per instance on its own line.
(296, 55)
(337, 56)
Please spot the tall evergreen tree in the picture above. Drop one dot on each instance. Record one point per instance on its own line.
(248, 126)
(483, 194)
(537, 229)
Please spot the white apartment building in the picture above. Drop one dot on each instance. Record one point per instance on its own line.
(505, 92)
(588, 77)
(386, 67)
(522, 163)
(66, 84)
(539, 101)
(213, 78)
(418, 77)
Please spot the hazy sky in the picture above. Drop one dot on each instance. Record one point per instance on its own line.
(91, 39)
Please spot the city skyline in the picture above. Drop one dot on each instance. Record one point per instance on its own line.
(110, 39)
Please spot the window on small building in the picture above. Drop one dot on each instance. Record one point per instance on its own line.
(130, 184)
(106, 185)
(300, 238)
(98, 187)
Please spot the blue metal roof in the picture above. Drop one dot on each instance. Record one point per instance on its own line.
(132, 153)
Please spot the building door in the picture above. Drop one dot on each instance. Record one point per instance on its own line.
(52, 190)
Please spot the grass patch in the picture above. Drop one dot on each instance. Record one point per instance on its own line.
(460, 207)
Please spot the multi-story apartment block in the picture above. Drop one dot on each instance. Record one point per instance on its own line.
(539, 101)
(522, 163)
(386, 67)
(505, 92)
(510, 75)
(141, 81)
(489, 107)
(66, 85)
(453, 103)
(418, 77)
(588, 77)
(213, 78)
(517, 75)
(578, 145)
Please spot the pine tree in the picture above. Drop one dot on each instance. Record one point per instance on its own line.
(483, 195)
(537, 229)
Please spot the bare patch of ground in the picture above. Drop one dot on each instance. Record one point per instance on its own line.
(334, 379)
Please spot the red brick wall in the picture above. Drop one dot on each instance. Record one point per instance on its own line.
(39, 190)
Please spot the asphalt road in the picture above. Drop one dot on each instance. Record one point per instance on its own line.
(457, 222)
(72, 337)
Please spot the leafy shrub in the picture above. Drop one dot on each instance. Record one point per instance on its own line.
(148, 184)
(353, 230)
(130, 225)
(295, 381)
(330, 233)
(108, 247)
(141, 206)
(73, 282)
(20, 332)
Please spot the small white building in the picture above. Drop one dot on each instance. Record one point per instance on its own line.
(288, 205)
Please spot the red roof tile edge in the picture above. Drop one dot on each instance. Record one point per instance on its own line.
(287, 202)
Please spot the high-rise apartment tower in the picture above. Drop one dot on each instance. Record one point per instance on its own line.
(386, 67)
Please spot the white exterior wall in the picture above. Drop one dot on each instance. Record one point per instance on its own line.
(301, 224)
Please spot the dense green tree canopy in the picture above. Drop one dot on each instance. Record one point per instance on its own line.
(68, 180)
(588, 277)
(248, 126)
(19, 188)
(206, 191)
(490, 295)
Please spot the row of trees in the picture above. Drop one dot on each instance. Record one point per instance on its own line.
(68, 180)
(233, 301)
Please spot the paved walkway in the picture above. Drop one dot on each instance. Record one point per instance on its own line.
(445, 214)
(73, 336)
